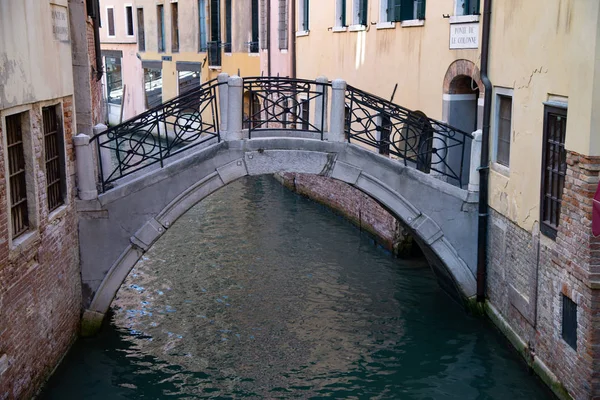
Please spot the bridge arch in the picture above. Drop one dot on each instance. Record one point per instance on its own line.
(123, 223)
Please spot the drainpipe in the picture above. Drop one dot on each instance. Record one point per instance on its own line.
(96, 22)
(482, 234)
(293, 25)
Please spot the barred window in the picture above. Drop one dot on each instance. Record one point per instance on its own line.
(554, 167)
(283, 25)
(141, 33)
(569, 321)
(17, 177)
(53, 148)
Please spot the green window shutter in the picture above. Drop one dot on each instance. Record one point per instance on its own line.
(406, 9)
(343, 17)
(394, 10)
(420, 4)
(473, 7)
(306, 14)
(364, 9)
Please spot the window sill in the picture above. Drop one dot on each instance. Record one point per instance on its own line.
(227, 54)
(337, 29)
(58, 213)
(253, 54)
(25, 241)
(283, 51)
(357, 28)
(302, 33)
(462, 19)
(412, 22)
(214, 67)
(386, 25)
(501, 169)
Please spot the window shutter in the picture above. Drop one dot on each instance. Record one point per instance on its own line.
(364, 9)
(406, 9)
(473, 7)
(306, 14)
(420, 4)
(394, 10)
(283, 25)
(262, 10)
(343, 14)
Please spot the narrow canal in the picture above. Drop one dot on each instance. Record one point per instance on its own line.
(257, 292)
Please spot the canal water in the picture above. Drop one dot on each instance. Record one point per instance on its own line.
(259, 293)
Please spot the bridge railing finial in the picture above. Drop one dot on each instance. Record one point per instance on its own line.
(338, 110)
(234, 108)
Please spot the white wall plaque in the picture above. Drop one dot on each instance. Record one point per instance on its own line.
(464, 36)
(60, 22)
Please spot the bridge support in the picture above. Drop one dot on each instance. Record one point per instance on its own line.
(223, 80)
(235, 108)
(338, 111)
(321, 106)
(86, 181)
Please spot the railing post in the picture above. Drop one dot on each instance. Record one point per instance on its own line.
(321, 106)
(475, 161)
(234, 108)
(104, 153)
(86, 181)
(223, 101)
(338, 109)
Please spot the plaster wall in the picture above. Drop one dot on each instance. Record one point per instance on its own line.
(120, 19)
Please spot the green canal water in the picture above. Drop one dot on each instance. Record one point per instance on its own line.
(259, 293)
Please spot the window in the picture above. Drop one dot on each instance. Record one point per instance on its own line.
(129, 20)
(254, 41)
(569, 321)
(54, 151)
(153, 83)
(361, 10)
(303, 13)
(114, 80)
(188, 76)
(467, 7)
(264, 33)
(340, 13)
(283, 25)
(503, 129)
(403, 10)
(160, 17)
(228, 22)
(174, 28)
(554, 167)
(19, 212)
(202, 26)
(214, 47)
(110, 17)
(141, 34)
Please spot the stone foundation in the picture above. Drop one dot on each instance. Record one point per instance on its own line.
(529, 273)
(40, 284)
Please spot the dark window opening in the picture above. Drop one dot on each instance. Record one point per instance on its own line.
(470, 7)
(16, 171)
(504, 130)
(343, 13)
(554, 167)
(255, 27)
(363, 10)
(403, 10)
(141, 34)
(305, 16)
(160, 14)
(54, 151)
(214, 46)
(569, 321)
(129, 16)
(228, 26)
(110, 14)
(174, 28)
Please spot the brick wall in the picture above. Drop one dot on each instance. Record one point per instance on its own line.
(40, 286)
(95, 86)
(526, 269)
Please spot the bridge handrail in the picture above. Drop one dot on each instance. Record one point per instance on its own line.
(410, 136)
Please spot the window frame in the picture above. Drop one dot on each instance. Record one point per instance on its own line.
(202, 26)
(174, 27)
(160, 28)
(341, 15)
(255, 18)
(141, 29)
(547, 228)
(358, 17)
(303, 17)
(283, 37)
(227, 45)
(108, 22)
(569, 311)
(467, 8)
(128, 21)
(188, 66)
(60, 156)
(499, 93)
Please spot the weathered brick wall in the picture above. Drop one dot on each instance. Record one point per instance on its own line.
(348, 201)
(95, 86)
(40, 286)
(519, 260)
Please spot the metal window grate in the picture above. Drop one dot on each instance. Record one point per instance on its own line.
(554, 167)
(283, 25)
(16, 170)
(569, 321)
(52, 148)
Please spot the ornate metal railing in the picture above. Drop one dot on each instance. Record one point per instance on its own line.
(284, 103)
(409, 136)
(159, 133)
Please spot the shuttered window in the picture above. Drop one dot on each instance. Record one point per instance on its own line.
(110, 16)
(214, 47)
(174, 27)
(304, 13)
(362, 12)
(228, 27)
(469, 7)
(554, 167)
(129, 17)
(202, 38)
(160, 29)
(53, 149)
(283, 24)
(16, 171)
(504, 130)
(255, 28)
(141, 33)
(403, 10)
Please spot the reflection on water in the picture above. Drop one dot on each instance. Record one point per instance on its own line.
(259, 293)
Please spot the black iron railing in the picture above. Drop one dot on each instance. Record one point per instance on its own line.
(409, 136)
(284, 103)
(159, 133)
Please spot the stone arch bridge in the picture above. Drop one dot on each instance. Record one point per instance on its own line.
(136, 179)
